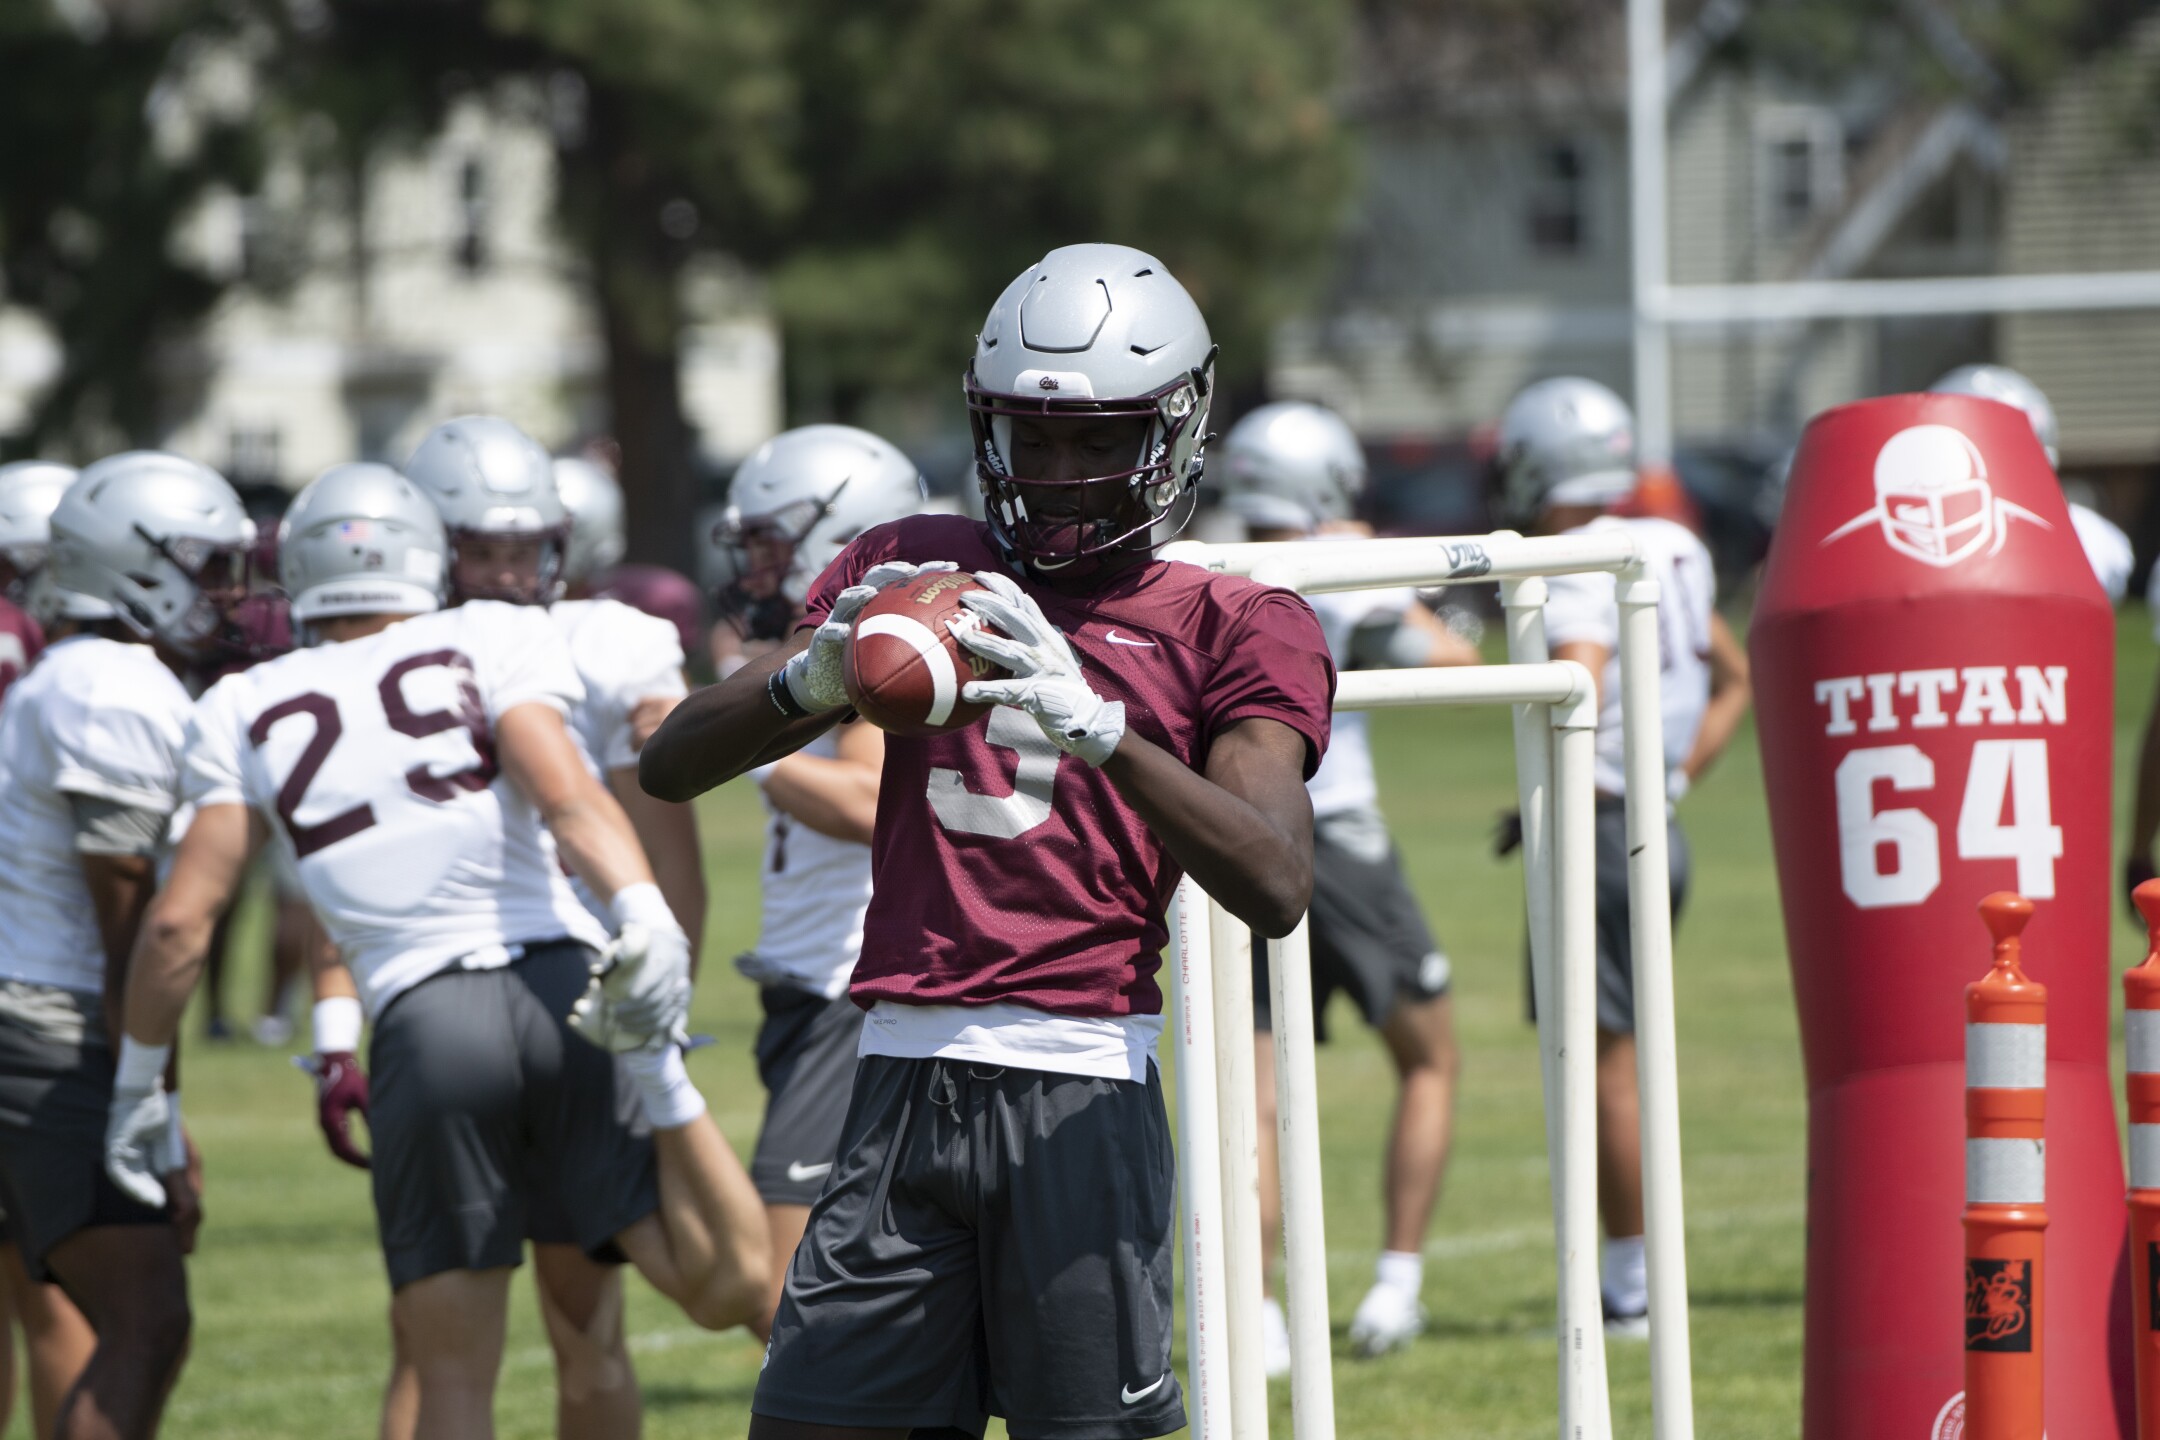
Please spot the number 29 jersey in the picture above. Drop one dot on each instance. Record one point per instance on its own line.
(373, 761)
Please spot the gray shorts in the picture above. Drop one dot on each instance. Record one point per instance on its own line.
(806, 1057)
(1615, 942)
(493, 1123)
(992, 1242)
(55, 1094)
(1369, 938)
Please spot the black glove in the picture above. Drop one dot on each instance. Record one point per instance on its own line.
(1507, 834)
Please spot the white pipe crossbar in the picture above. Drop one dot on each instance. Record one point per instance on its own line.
(1555, 710)
(1314, 567)
(1780, 302)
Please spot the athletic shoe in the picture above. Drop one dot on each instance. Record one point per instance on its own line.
(1626, 1322)
(1387, 1319)
(1274, 1339)
(274, 1031)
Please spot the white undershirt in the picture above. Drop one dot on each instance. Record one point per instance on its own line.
(1108, 1047)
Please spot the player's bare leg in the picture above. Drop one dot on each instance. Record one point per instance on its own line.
(784, 1225)
(705, 1248)
(447, 1338)
(295, 936)
(132, 1288)
(57, 1341)
(1421, 1040)
(581, 1305)
(1620, 1202)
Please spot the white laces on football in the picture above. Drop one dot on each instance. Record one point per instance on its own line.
(1046, 682)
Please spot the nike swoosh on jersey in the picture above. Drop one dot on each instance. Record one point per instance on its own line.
(1133, 1397)
(1116, 639)
(799, 1172)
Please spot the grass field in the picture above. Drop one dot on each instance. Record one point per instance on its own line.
(290, 1336)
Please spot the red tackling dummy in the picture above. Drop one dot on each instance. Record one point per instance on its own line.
(904, 669)
(1934, 672)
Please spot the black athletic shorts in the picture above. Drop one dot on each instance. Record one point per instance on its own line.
(992, 1242)
(806, 1057)
(1615, 941)
(55, 1097)
(494, 1123)
(1368, 935)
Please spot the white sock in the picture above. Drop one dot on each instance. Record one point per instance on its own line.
(664, 1087)
(1402, 1270)
(1626, 1281)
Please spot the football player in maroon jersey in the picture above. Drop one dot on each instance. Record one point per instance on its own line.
(995, 1236)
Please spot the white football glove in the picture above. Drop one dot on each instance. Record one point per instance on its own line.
(814, 675)
(1047, 683)
(143, 1140)
(639, 994)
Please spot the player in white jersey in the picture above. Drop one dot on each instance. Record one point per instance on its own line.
(2106, 547)
(148, 554)
(1567, 455)
(57, 1341)
(1293, 470)
(513, 539)
(793, 507)
(416, 767)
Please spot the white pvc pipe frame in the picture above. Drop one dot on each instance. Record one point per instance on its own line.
(1554, 722)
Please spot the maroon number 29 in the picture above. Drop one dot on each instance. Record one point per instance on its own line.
(307, 839)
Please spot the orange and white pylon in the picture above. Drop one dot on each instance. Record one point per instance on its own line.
(2005, 1186)
(2141, 1041)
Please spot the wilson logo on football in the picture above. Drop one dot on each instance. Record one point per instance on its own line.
(1933, 501)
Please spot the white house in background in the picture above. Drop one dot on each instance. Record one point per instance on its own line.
(1490, 245)
(449, 294)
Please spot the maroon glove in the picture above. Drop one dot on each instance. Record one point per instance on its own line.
(340, 1091)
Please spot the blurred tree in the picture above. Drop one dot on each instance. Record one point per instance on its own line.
(887, 168)
(118, 121)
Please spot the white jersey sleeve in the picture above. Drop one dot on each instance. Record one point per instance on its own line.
(94, 718)
(1585, 608)
(123, 743)
(624, 657)
(518, 659)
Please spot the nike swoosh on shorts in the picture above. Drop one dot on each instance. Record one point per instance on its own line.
(1133, 1397)
(797, 1172)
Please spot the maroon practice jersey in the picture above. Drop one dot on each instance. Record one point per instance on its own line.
(1005, 870)
(21, 639)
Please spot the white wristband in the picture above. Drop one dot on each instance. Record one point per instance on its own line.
(642, 905)
(337, 1025)
(141, 1066)
(175, 1132)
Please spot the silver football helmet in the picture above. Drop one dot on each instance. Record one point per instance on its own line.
(1566, 441)
(793, 507)
(493, 482)
(155, 542)
(361, 540)
(1292, 465)
(29, 489)
(594, 501)
(2000, 382)
(1090, 331)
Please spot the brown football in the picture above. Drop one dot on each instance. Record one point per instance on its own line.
(904, 669)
